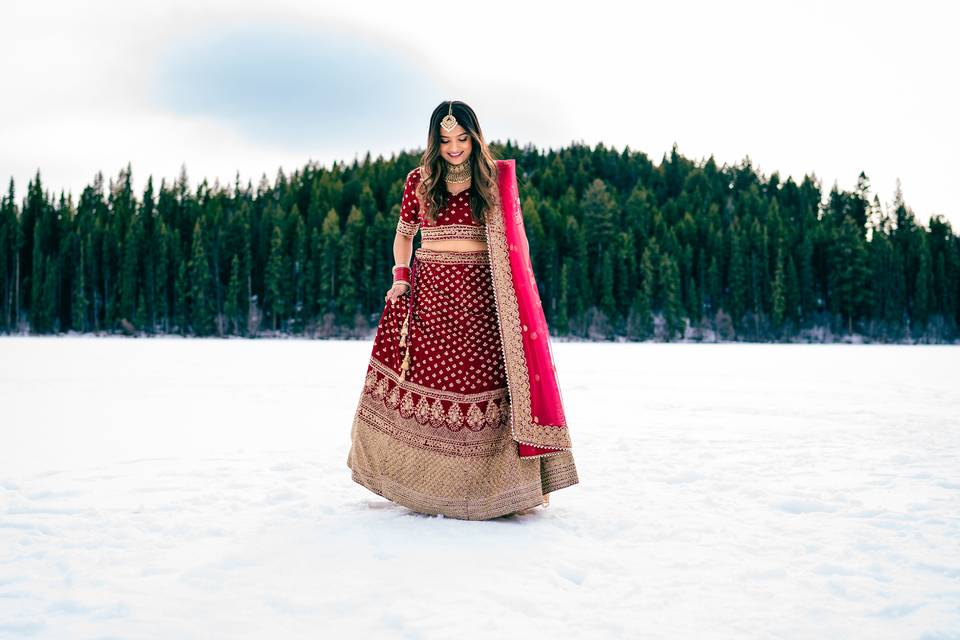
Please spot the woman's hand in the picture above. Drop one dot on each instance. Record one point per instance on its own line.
(398, 289)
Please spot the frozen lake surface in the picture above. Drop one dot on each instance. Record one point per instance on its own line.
(170, 488)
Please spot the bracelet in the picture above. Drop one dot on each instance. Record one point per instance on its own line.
(401, 272)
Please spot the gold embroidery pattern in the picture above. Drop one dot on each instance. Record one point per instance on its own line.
(424, 423)
(474, 488)
(407, 228)
(522, 427)
(479, 256)
(454, 231)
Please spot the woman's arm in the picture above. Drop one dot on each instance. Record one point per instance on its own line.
(402, 249)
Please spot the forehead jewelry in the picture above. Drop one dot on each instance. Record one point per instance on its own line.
(449, 122)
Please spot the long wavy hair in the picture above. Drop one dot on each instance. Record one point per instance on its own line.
(432, 192)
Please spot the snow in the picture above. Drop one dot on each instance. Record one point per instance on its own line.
(171, 488)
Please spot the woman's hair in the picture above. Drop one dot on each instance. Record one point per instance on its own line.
(432, 192)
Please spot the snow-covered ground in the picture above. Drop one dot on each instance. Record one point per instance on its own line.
(172, 488)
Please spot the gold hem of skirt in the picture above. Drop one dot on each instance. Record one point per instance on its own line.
(466, 488)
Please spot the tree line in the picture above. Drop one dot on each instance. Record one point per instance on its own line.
(622, 248)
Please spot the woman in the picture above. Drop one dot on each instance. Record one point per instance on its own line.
(460, 413)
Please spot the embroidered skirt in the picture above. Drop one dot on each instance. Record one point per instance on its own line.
(438, 441)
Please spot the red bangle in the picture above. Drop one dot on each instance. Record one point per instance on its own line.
(401, 273)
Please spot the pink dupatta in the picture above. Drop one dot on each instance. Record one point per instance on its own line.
(537, 420)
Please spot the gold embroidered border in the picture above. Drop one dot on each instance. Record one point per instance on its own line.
(505, 503)
(420, 390)
(522, 427)
(464, 443)
(452, 257)
(558, 471)
(407, 228)
(472, 488)
(425, 424)
(454, 231)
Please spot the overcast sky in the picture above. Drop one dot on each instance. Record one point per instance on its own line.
(831, 88)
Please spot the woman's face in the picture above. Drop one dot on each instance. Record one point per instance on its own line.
(455, 146)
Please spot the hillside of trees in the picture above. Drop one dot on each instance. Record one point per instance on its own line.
(623, 248)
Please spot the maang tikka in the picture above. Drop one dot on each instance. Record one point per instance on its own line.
(449, 122)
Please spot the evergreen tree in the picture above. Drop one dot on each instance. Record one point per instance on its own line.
(849, 272)
(607, 303)
(202, 310)
(779, 297)
(182, 293)
(327, 265)
(739, 294)
(274, 302)
(232, 305)
(562, 318)
(80, 302)
(921, 300)
(670, 277)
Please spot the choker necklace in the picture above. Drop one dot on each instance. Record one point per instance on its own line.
(457, 173)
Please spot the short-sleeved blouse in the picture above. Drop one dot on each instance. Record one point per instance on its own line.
(454, 220)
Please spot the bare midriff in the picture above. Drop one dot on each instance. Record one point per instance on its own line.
(454, 245)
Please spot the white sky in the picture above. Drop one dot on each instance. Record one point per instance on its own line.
(830, 88)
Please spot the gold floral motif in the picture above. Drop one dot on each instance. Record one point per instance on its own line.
(423, 410)
(438, 417)
(371, 381)
(455, 418)
(406, 405)
(492, 414)
(380, 391)
(393, 398)
(474, 417)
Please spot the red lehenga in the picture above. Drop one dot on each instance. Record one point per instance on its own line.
(473, 427)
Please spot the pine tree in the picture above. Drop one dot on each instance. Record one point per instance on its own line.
(80, 302)
(607, 303)
(232, 307)
(348, 298)
(646, 291)
(274, 302)
(779, 298)
(161, 279)
(739, 292)
(670, 278)
(600, 216)
(9, 249)
(327, 266)
(562, 318)
(921, 300)
(129, 249)
(202, 311)
(849, 272)
(714, 286)
(297, 270)
(140, 318)
(182, 293)
(48, 302)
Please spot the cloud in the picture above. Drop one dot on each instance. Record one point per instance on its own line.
(298, 87)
